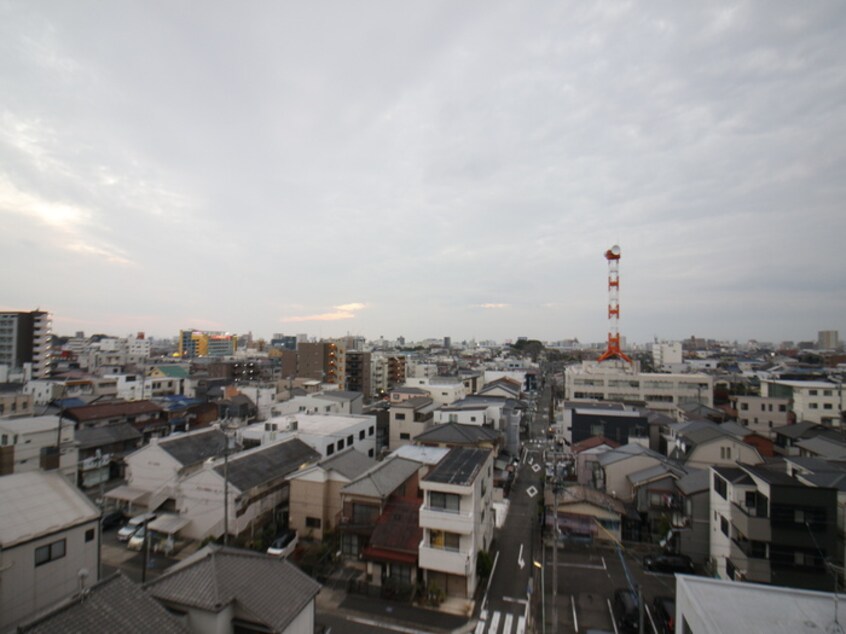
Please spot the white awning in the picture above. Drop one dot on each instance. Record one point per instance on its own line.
(169, 524)
(126, 493)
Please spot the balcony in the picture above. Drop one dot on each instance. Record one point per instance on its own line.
(453, 562)
(754, 569)
(442, 519)
(748, 523)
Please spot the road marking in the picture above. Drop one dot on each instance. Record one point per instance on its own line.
(575, 618)
(520, 561)
(536, 467)
(480, 627)
(521, 625)
(649, 614)
(585, 566)
(532, 491)
(513, 600)
(490, 578)
(506, 626)
(494, 628)
(613, 620)
(387, 626)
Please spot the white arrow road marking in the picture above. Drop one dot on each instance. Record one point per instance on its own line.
(520, 561)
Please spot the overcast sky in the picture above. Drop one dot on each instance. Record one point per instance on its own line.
(425, 168)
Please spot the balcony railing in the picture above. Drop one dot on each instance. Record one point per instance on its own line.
(755, 569)
(752, 526)
(449, 561)
(445, 519)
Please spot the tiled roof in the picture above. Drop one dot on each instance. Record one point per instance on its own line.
(36, 503)
(111, 410)
(112, 605)
(398, 528)
(90, 437)
(271, 590)
(460, 467)
(172, 371)
(266, 463)
(349, 463)
(458, 433)
(383, 479)
(593, 441)
(195, 447)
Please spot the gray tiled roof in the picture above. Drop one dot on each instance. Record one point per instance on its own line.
(458, 433)
(350, 463)
(695, 481)
(383, 479)
(112, 605)
(260, 465)
(271, 590)
(90, 437)
(195, 447)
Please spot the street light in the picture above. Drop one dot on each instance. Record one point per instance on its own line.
(543, 596)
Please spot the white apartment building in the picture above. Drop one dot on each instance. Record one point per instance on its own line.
(22, 441)
(592, 381)
(25, 338)
(818, 402)
(325, 433)
(760, 414)
(442, 390)
(457, 519)
(666, 353)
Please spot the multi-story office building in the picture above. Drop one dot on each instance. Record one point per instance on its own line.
(197, 343)
(25, 338)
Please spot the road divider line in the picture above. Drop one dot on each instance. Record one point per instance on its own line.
(575, 617)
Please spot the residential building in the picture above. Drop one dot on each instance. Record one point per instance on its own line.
(198, 343)
(788, 436)
(319, 361)
(101, 452)
(458, 435)
(114, 604)
(25, 341)
(357, 373)
(699, 447)
(768, 527)
(409, 419)
(29, 444)
(145, 416)
(222, 589)
(315, 503)
(761, 415)
(584, 513)
(614, 467)
(621, 426)
(457, 519)
(49, 543)
(691, 523)
(15, 403)
(325, 433)
(667, 354)
(441, 389)
(828, 340)
(818, 402)
(586, 455)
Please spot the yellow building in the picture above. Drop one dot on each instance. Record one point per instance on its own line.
(197, 343)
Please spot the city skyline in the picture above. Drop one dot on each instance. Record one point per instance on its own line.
(425, 169)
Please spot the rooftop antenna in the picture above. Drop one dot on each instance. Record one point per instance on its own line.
(613, 350)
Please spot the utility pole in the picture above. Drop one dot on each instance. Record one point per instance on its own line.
(226, 491)
(555, 557)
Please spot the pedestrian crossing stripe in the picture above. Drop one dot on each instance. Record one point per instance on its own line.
(509, 626)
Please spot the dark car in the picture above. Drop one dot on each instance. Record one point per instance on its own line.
(664, 613)
(668, 563)
(626, 611)
(112, 519)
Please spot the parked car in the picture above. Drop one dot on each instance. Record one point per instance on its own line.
(664, 613)
(626, 610)
(136, 542)
(668, 563)
(111, 519)
(284, 544)
(133, 525)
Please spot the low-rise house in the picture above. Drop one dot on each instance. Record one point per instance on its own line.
(145, 416)
(443, 390)
(586, 454)
(114, 604)
(258, 490)
(457, 519)
(232, 590)
(29, 444)
(788, 437)
(458, 435)
(691, 521)
(710, 445)
(392, 551)
(653, 489)
(503, 387)
(409, 419)
(102, 450)
(49, 540)
(316, 492)
(327, 434)
(614, 467)
(822, 447)
(13, 402)
(584, 514)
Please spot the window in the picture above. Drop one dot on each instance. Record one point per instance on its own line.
(782, 408)
(724, 525)
(449, 502)
(720, 486)
(725, 452)
(349, 544)
(89, 535)
(400, 416)
(827, 392)
(369, 453)
(370, 431)
(4, 439)
(826, 405)
(50, 552)
(813, 406)
(744, 406)
(312, 522)
(444, 540)
(763, 407)
(364, 513)
(350, 440)
(330, 449)
(361, 435)
(405, 436)
(340, 444)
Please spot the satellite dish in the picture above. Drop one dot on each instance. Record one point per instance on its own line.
(615, 250)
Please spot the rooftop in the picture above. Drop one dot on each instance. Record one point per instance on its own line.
(383, 478)
(194, 447)
(460, 467)
(458, 433)
(252, 468)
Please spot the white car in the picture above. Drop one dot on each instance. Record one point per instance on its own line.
(284, 545)
(136, 542)
(133, 525)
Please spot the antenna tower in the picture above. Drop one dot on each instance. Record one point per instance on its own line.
(613, 350)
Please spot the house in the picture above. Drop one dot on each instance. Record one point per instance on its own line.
(326, 402)
(583, 513)
(154, 471)
(503, 387)
(392, 551)
(458, 435)
(145, 416)
(499, 413)
(691, 515)
(327, 434)
(409, 418)
(787, 437)
(768, 527)
(457, 519)
(586, 454)
(258, 490)
(707, 445)
(364, 499)
(614, 467)
(822, 447)
(49, 543)
(443, 390)
(315, 502)
(101, 452)
(232, 590)
(653, 489)
(114, 604)
(29, 444)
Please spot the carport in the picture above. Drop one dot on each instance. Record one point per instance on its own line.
(128, 496)
(168, 526)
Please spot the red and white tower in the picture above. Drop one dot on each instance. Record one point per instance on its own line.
(613, 350)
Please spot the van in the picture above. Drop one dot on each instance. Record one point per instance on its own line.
(133, 525)
(626, 611)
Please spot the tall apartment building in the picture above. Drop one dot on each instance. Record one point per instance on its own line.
(319, 361)
(828, 340)
(358, 376)
(25, 338)
(198, 343)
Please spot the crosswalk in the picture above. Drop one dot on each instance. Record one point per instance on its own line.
(497, 622)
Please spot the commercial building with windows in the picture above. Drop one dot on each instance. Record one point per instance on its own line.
(25, 338)
(197, 343)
